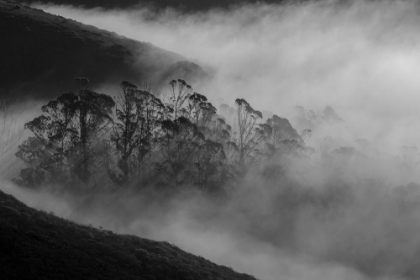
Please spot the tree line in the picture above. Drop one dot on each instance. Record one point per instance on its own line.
(88, 140)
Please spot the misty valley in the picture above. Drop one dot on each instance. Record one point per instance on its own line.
(223, 140)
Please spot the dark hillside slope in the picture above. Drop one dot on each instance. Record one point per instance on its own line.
(187, 5)
(41, 53)
(37, 245)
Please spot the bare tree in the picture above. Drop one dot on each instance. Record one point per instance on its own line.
(180, 91)
(250, 135)
(11, 133)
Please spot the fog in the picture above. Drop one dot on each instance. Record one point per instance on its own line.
(350, 217)
(360, 57)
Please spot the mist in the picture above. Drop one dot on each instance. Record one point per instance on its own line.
(360, 57)
(355, 216)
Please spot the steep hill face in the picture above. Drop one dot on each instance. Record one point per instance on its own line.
(187, 5)
(40, 54)
(37, 245)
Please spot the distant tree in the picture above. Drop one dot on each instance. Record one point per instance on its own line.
(124, 135)
(283, 138)
(94, 114)
(281, 130)
(249, 136)
(151, 112)
(221, 131)
(9, 131)
(180, 91)
(199, 109)
(210, 163)
(33, 153)
(178, 143)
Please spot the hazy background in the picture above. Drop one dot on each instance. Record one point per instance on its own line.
(336, 217)
(360, 57)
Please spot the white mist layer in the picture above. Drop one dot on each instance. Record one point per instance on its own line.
(239, 251)
(362, 58)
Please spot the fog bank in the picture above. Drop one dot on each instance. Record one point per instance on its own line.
(331, 215)
(360, 57)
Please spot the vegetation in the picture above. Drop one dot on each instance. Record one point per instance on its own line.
(37, 243)
(79, 49)
(64, 143)
(187, 5)
(140, 140)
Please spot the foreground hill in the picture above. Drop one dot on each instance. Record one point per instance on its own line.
(37, 245)
(41, 53)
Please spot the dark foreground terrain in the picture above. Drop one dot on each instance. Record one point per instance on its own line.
(38, 245)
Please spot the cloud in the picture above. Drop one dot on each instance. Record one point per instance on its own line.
(360, 57)
(334, 219)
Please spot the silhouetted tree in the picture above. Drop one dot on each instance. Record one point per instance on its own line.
(151, 112)
(283, 138)
(56, 141)
(136, 130)
(210, 163)
(94, 113)
(33, 153)
(245, 146)
(9, 131)
(125, 130)
(179, 140)
(65, 135)
(183, 142)
(180, 91)
(199, 109)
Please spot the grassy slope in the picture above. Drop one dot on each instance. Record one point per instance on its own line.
(188, 5)
(38, 245)
(41, 53)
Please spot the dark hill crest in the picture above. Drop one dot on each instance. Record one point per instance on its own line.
(42, 53)
(38, 245)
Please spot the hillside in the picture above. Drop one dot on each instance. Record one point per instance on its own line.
(42, 53)
(188, 5)
(38, 245)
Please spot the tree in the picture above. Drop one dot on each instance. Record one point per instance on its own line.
(65, 135)
(125, 130)
(135, 129)
(151, 112)
(33, 153)
(210, 163)
(283, 137)
(56, 139)
(221, 131)
(180, 91)
(94, 113)
(9, 131)
(179, 140)
(199, 109)
(249, 135)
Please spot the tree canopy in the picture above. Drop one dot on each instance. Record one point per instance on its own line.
(136, 139)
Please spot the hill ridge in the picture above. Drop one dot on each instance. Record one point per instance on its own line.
(38, 245)
(44, 52)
